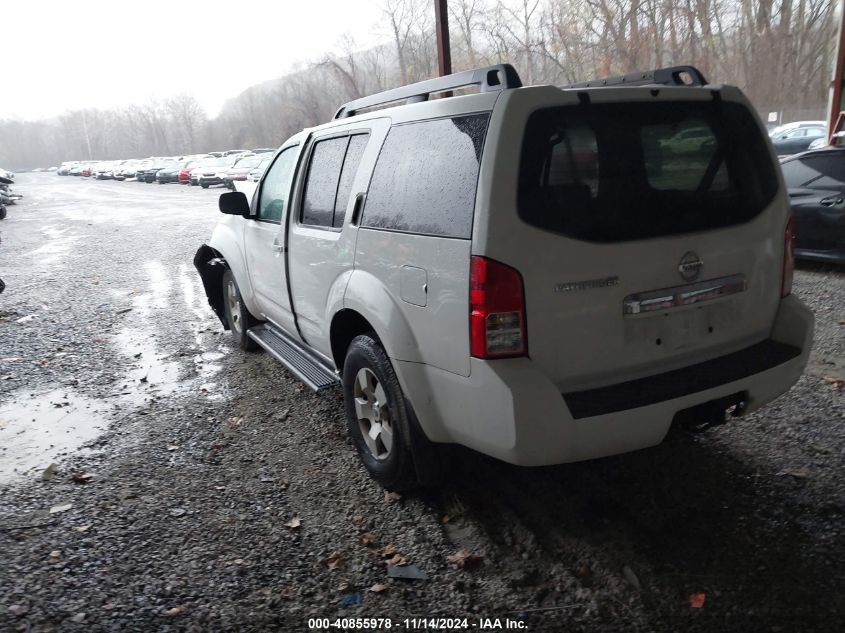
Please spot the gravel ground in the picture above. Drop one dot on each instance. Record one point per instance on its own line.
(200, 488)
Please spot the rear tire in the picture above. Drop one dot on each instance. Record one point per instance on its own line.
(204, 185)
(378, 420)
(2, 212)
(237, 316)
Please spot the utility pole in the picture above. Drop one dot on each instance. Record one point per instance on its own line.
(836, 101)
(444, 52)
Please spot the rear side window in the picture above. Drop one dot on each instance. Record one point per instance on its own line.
(627, 171)
(334, 163)
(426, 177)
(354, 151)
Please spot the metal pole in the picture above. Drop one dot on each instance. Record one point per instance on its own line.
(836, 105)
(444, 52)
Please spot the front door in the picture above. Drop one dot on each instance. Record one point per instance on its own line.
(264, 241)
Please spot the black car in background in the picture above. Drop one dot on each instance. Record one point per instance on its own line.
(797, 139)
(816, 184)
(169, 172)
(149, 174)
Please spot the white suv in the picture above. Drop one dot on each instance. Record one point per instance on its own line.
(541, 274)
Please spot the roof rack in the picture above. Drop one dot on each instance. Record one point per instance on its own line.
(671, 76)
(489, 79)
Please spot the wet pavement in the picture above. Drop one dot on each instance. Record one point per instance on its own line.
(176, 465)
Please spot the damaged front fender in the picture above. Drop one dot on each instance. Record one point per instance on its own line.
(211, 265)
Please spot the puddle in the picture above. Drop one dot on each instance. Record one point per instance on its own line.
(152, 374)
(58, 244)
(36, 431)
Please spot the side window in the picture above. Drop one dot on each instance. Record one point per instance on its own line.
(321, 183)
(334, 163)
(815, 172)
(426, 177)
(354, 151)
(815, 132)
(276, 187)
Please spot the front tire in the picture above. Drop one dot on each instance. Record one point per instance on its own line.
(237, 316)
(377, 417)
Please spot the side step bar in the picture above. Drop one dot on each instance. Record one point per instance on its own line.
(292, 355)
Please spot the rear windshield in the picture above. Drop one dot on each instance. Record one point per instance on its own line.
(618, 172)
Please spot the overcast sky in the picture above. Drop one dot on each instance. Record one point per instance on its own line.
(59, 55)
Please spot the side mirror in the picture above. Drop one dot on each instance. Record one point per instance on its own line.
(234, 203)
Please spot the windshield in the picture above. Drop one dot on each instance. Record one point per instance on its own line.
(625, 171)
(247, 163)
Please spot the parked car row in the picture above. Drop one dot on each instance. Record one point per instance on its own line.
(205, 170)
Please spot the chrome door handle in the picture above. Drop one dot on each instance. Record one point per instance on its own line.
(829, 202)
(278, 247)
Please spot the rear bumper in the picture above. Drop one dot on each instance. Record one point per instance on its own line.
(509, 409)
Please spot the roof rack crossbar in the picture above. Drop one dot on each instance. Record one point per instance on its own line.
(671, 76)
(489, 79)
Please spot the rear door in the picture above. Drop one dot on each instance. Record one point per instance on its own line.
(640, 250)
(816, 185)
(336, 167)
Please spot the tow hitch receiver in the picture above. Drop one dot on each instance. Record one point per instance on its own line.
(713, 413)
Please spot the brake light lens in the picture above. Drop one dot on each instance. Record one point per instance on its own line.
(788, 258)
(497, 310)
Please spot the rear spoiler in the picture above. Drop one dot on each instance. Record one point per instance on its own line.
(671, 76)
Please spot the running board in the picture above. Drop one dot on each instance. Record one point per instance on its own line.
(292, 355)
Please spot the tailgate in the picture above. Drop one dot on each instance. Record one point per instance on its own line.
(648, 232)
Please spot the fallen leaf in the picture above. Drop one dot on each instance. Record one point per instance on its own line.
(631, 577)
(63, 507)
(79, 617)
(583, 571)
(173, 612)
(378, 588)
(294, 523)
(388, 550)
(368, 538)
(696, 600)
(82, 478)
(173, 447)
(836, 383)
(55, 556)
(82, 528)
(48, 473)
(177, 512)
(359, 522)
(397, 561)
(798, 473)
(392, 497)
(333, 561)
(463, 559)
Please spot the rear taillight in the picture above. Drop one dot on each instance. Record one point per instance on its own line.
(497, 310)
(788, 258)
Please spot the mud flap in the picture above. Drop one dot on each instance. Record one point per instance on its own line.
(430, 459)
